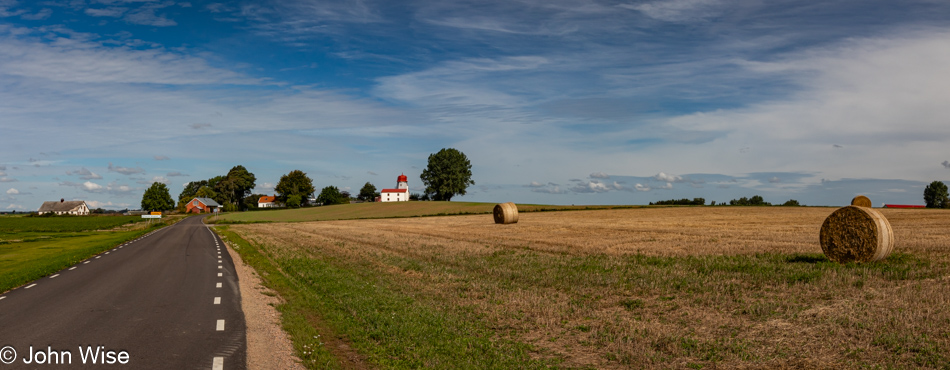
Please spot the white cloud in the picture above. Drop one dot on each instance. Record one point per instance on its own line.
(667, 178)
(161, 179)
(15, 206)
(535, 184)
(114, 12)
(678, 10)
(641, 187)
(91, 186)
(599, 175)
(267, 186)
(13, 191)
(7, 179)
(108, 204)
(175, 173)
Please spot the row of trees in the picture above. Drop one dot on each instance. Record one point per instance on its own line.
(448, 173)
(754, 201)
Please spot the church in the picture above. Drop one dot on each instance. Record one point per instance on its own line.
(399, 194)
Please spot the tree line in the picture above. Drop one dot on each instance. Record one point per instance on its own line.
(448, 173)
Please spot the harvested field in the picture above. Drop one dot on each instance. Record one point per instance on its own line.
(653, 287)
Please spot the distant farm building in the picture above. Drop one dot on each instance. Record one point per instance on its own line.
(268, 201)
(64, 207)
(399, 194)
(202, 205)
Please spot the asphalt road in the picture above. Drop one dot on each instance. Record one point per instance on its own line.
(169, 300)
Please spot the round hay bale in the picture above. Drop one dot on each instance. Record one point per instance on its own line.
(506, 213)
(861, 201)
(856, 234)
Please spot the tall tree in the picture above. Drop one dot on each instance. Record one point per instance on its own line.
(448, 174)
(331, 195)
(156, 198)
(368, 193)
(294, 183)
(935, 195)
(242, 181)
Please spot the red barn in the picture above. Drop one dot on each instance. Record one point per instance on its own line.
(202, 205)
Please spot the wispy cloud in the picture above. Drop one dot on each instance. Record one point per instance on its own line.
(85, 174)
(12, 191)
(161, 158)
(125, 170)
(175, 174)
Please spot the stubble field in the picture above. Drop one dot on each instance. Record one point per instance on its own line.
(652, 287)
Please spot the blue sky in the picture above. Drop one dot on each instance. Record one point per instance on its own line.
(556, 102)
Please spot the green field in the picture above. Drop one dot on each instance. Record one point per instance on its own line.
(383, 210)
(33, 247)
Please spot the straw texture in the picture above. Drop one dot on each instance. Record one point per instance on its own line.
(506, 213)
(856, 234)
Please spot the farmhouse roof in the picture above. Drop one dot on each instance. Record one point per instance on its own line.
(267, 199)
(208, 202)
(60, 206)
(395, 191)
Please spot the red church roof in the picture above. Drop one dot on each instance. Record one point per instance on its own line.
(402, 178)
(395, 191)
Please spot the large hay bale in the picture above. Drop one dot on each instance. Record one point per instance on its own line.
(506, 213)
(861, 201)
(856, 234)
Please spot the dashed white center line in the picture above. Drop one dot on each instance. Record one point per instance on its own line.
(217, 300)
(220, 267)
(218, 363)
(220, 326)
(72, 268)
(219, 261)
(30, 286)
(218, 286)
(219, 274)
(54, 276)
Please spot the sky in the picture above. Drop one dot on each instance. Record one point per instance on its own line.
(552, 101)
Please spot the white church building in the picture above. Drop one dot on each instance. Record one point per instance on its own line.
(399, 194)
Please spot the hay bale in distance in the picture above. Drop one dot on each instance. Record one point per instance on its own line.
(861, 201)
(856, 234)
(506, 213)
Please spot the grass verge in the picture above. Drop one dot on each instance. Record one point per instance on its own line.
(350, 305)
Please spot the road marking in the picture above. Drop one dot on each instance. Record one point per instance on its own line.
(217, 300)
(98, 257)
(86, 262)
(218, 363)
(54, 276)
(219, 274)
(107, 252)
(220, 326)
(218, 286)
(72, 268)
(219, 261)
(220, 267)
(30, 286)
(3, 297)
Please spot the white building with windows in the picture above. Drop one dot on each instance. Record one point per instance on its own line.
(399, 194)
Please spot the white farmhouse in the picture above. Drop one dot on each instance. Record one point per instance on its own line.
(399, 194)
(67, 207)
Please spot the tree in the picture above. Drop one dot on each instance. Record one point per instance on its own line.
(241, 183)
(791, 203)
(448, 174)
(156, 198)
(368, 193)
(935, 195)
(293, 201)
(331, 195)
(295, 182)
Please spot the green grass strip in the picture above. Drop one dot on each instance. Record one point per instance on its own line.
(388, 328)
